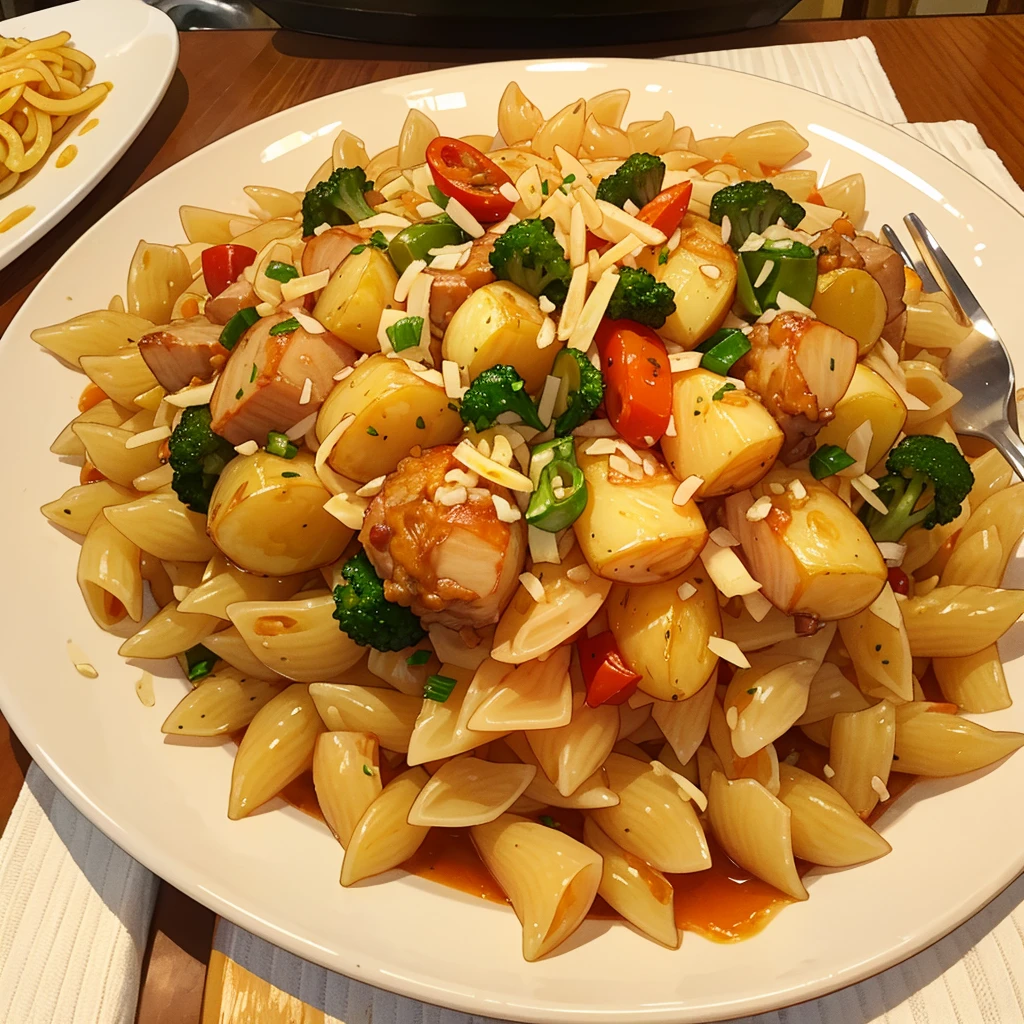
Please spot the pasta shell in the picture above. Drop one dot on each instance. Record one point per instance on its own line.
(224, 702)
(468, 791)
(346, 776)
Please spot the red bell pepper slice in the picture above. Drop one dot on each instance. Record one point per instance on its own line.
(899, 581)
(609, 679)
(668, 208)
(638, 391)
(223, 263)
(461, 171)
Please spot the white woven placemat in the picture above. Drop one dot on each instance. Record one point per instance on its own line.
(75, 909)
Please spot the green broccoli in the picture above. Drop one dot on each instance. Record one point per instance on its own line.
(367, 616)
(338, 200)
(580, 391)
(916, 463)
(499, 389)
(639, 179)
(529, 255)
(639, 296)
(197, 457)
(753, 206)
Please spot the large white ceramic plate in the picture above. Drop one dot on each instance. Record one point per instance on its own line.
(135, 46)
(956, 844)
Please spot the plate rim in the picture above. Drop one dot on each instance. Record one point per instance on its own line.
(402, 985)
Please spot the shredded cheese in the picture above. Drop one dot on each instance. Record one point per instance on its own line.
(300, 428)
(727, 572)
(724, 538)
(759, 510)
(192, 396)
(532, 586)
(248, 447)
(685, 591)
(593, 311)
(727, 651)
(371, 488)
(144, 437)
(687, 489)
(299, 286)
(464, 219)
(486, 467)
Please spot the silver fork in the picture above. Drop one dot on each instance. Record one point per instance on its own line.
(980, 367)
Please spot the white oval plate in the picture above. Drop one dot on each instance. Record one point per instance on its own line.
(956, 844)
(135, 46)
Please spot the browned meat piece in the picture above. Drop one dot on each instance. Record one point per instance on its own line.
(183, 350)
(238, 295)
(800, 367)
(884, 264)
(326, 251)
(451, 288)
(457, 565)
(262, 384)
(841, 252)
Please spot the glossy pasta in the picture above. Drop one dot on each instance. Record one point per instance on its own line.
(606, 587)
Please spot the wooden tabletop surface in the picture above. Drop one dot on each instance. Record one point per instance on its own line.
(967, 68)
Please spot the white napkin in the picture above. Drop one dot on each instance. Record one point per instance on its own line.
(75, 909)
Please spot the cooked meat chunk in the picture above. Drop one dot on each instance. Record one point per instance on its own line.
(326, 251)
(261, 387)
(800, 368)
(183, 350)
(238, 295)
(451, 288)
(839, 252)
(884, 264)
(457, 565)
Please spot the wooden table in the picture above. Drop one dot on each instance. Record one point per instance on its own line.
(967, 68)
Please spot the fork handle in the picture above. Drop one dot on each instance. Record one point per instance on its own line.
(1006, 439)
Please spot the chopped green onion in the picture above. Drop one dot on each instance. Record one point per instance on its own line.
(237, 326)
(367, 770)
(549, 822)
(418, 658)
(663, 257)
(438, 688)
(420, 425)
(278, 444)
(239, 393)
(728, 347)
(544, 187)
(753, 689)
(378, 241)
(440, 199)
(372, 431)
(721, 392)
(289, 474)
(546, 511)
(252, 376)
(567, 180)
(278, 271)
(200, 661)
(405, 333)
(828, 460)
(356, 250)
(285, 326)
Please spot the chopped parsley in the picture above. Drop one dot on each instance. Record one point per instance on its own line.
(663, 257)
(372, 431)
(420, 425)
(544, 187)
(289, 473)
(367, 770)
(418, 658)
(721, 392)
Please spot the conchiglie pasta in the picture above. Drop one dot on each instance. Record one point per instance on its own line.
(467, 791)
(274, 201)
(224, 702)
(298, 639)
(163, 526)
(100, 333)
(389, 715)
(168, 633)
(630, 886)
(825, 828)
(550, 879)
(755, 829)
(564, 129)
(346, 777)
(109, 575)
(383, 837)
(931, 743)
(653, 820)
(276, 749)
(78, 507)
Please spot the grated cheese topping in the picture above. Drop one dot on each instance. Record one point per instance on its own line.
(687, 489)
(248, 447)
(300, 428)
(371, 488)
(532, 586)
(757, 605)
(727, 651)
(307, 392)
(299, 286)
(144, 437)
(685, 591)
(759, 510)
(464, 219)
(505, 512)
(727, 572)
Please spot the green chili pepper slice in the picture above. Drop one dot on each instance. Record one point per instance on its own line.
(792, 269)
(551, 462)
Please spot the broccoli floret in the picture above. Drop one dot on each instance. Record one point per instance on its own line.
(338, 200)
(197, 457)
(498, 389)
(581, 390)
(753, 206)
(639, 296)
(916, 463)
(639, 179)
(529, 255)
(365, 614)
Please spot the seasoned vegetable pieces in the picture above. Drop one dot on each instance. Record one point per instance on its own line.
(530, 256)
(338, 200)
(753, 206)
(198, 456)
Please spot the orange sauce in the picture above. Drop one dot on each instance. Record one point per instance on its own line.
(89, 125)
(92, 394)
(66, 155)
(726, 903)
(16, 218)
(90, 474)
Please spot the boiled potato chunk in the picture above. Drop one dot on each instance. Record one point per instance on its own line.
(389, 402)
(729, 443)
(631, 531)
(811, 555)
(267, 515)
(852, 301)
(869, 397)
(356, 295)
(701, 300)
(498, 324)
(665, 638)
